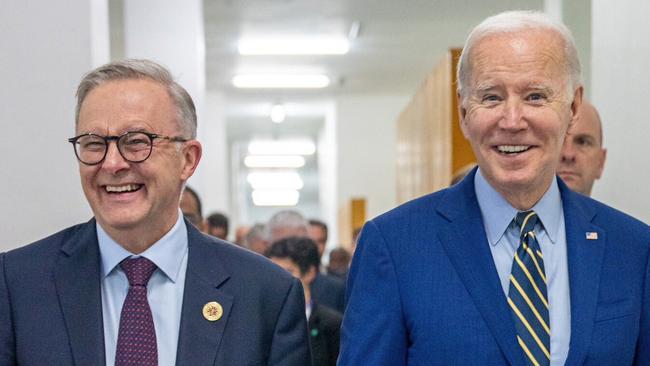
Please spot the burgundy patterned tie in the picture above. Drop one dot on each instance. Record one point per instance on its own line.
(136, 339)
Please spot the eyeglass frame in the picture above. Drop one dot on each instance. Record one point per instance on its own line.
(116, 138)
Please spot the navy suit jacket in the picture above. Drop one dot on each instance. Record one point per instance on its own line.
(51, 308)
(329, 291)
(423, 288)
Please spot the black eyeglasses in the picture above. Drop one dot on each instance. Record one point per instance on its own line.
(134, 147)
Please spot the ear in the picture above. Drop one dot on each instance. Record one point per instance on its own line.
(192, 151)
(462, 114)
(601, 167)
(576, 104)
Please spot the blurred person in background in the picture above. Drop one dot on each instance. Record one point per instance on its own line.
(583, 156)
(299, 256)
(217, 225)
(326, 289)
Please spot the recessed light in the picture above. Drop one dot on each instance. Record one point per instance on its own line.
(278, 113)
(281, 81)
(275, 180)
(274, 161)
(275, 197)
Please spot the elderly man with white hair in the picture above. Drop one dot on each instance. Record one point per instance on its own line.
(509, 266)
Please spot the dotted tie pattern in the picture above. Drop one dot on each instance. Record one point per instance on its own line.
(136, 339)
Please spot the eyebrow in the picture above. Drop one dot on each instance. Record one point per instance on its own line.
(485, 86)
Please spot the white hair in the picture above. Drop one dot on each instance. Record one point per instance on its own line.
(512, 22)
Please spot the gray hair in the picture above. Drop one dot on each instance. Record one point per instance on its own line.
(141, 69)
(511, 22)
(286, 223)
(257, 232)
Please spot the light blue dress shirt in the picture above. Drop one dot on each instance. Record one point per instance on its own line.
(503, 237)
(164, 290)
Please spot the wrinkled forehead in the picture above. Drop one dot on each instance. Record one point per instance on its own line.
(524, 53)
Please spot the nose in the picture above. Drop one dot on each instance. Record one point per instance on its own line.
(568, 151)
(114, 161)
(512, 118)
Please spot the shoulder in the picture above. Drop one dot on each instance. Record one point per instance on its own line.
(242, 265)
(45, 250)
(610, 219)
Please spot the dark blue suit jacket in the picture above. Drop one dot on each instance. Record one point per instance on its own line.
(329, 291)
(51, 309)
(423, 288)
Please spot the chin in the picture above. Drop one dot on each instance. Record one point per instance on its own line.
(119, 220)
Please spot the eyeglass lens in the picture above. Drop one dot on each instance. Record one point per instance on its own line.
(133, 146)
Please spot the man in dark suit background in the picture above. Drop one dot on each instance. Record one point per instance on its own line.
(509, 266)
(137, 284)
(328, 290)
(299, 256)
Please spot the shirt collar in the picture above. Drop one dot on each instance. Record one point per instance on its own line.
(497, 213)
(167, 253)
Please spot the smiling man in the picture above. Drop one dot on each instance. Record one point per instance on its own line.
(138, 284)
(509, 266)
(583, 155)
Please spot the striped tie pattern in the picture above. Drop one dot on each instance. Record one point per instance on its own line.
(136, 338)
(527, 294)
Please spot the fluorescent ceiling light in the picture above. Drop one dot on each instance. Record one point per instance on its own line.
(274, 161)
(275, 197)
(278, 114)
(279, 147)
(294, 46)
(275, 180)
(313, 81)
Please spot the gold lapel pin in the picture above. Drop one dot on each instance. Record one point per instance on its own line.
(212, 311)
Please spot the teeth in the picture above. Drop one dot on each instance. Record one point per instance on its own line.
(124, 188)
(512, 148)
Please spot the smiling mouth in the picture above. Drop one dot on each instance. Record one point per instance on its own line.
(512, 149)
(125, 188)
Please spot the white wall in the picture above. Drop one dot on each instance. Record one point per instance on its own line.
(366, 138)
(47, 47)
(621, 90)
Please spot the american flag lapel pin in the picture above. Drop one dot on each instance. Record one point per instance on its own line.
(591, 235)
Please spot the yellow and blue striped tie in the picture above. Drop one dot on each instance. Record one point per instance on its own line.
(527, 294)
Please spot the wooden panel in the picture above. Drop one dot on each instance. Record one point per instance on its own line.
(461, 152)
(352, 216)
(430, 144)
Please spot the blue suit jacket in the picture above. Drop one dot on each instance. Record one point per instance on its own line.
(51, 309)
(423, 288)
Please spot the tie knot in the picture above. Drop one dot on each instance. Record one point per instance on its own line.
(138, 270)
(526, 221)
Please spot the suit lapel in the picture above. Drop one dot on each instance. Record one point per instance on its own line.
(466, 245)
(77, 281)
(199, 338)
(585, 258)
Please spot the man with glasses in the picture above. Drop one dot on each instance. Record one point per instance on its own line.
(138, 284)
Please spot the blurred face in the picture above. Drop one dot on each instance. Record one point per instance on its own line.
(517, 112)
(294, 269)
(218, 232)
(190, 209)
(583, 157)
(135, 197)
(317, 234)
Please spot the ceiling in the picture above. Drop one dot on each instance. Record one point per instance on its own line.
(398, 42)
